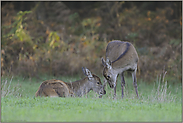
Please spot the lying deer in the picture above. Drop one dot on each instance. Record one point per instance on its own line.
(58, 88)
(120, 56)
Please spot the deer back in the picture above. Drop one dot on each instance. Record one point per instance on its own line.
(54, 88)
(121, 54)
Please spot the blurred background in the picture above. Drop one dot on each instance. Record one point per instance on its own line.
(58, 38)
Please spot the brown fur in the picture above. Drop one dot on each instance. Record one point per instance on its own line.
(54, 88)
(116, 48)
(59, 88)
(120, 56)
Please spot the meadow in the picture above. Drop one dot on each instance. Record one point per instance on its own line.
(160, 101)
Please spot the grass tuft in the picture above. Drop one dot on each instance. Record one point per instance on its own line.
(7, 90)
(160, 93)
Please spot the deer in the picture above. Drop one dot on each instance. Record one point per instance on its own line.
(59, 88)
(120, 56)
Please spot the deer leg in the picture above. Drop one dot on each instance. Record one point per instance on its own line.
(122, 84)
(114, 92)
(135, 82)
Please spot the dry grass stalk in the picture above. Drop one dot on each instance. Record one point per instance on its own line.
(7, 90)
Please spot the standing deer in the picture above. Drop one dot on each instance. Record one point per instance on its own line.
(120, 56)
(58, 88)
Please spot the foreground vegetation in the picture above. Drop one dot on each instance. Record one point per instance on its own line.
(87, 109)
(158, 102)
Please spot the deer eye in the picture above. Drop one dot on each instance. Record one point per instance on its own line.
(108, 77)
(98, 83)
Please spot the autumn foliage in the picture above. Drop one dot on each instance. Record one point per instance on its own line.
(51, 38)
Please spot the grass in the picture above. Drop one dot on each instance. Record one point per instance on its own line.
(86, 109)
(160, 101)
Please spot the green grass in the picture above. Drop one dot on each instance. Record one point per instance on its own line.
(158, 102)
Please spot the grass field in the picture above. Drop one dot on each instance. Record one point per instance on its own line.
(158, 102)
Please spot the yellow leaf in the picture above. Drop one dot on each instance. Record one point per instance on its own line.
(31, 57)
(35, 46)
(148, 13)
(149, 19)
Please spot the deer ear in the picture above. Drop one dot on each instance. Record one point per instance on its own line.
(87, 72)
(103, 62)
(108, 63)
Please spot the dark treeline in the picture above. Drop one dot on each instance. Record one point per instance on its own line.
(82, 7)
